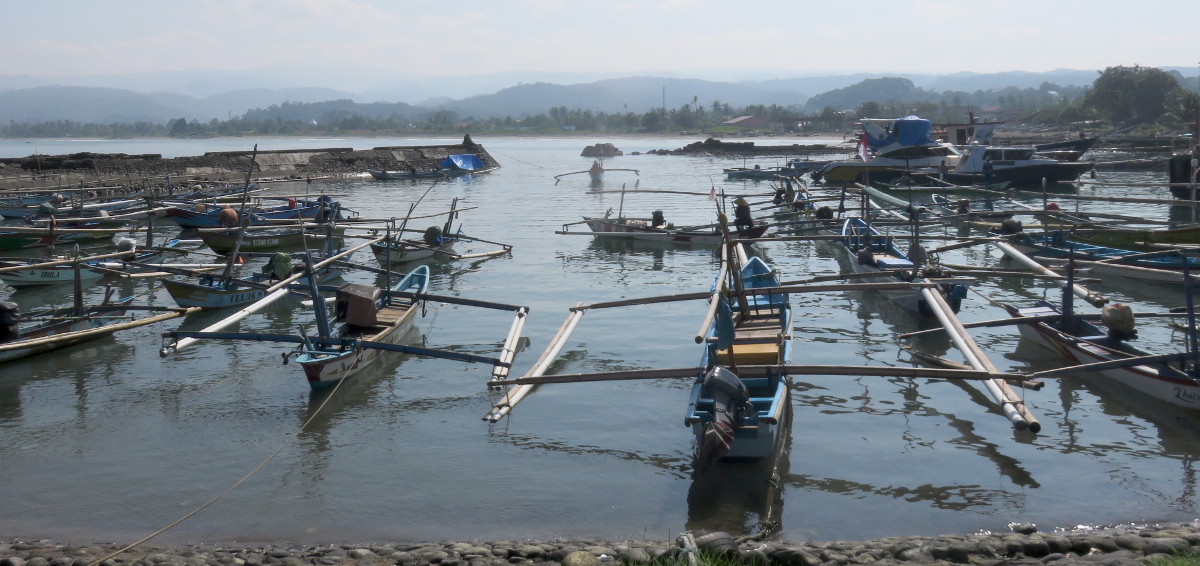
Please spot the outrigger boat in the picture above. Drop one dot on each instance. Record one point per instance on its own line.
(203, 215)
(595, 173)
(216, 291)
(451, 166)
(23, 237)
(51, 329)
(654, 230)
(739, 399)
(1106, 352)
(26, 273)
(1055, 245)
(740, 393)
(17, 341)
(737, 407)
(369, 321)
(435, 242)
(872, 252)
(270, 239)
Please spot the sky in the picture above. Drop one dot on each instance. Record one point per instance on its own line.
(707, 39)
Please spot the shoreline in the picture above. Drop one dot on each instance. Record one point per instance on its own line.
(1115, 545)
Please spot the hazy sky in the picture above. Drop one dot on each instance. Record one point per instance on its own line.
(691, 38)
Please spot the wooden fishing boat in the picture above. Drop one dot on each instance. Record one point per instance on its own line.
(365, 314)
(872, 252)
(204, 215)
(435, 241)
(270, 239)
(1056, 245)
(1137, 239)
(61, 269)
(217, 291)
(650, 230)
(19, 341)
(1169, 378)
(451, 166)
(381, 175)
(23, 237)
(595, 173)
(739, 405)
(369, 322)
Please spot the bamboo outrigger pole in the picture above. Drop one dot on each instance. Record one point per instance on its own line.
(1079, 290)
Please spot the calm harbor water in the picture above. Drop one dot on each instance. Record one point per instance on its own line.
(108, 441)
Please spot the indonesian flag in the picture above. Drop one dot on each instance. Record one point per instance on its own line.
(712, 193)
(862, 147)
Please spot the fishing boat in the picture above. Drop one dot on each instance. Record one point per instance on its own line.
(369, 321)
(1055, 245)
(25, 237)
(451, 166)
(792, 169)
(595, 173)
(434, 241)
(1137, 239)
(367, 314)
(1017, 166)
(60, 331)
(412, 173)
(889, 149)
(872, 252)
(203, 215)
(270, 239)
(61, 269)
(217, 291)
(656, 229)
(739, 405)
(1171, 378)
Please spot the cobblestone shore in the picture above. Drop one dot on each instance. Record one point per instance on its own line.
(1024, 545)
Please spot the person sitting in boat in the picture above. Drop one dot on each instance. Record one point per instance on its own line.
(741, 214)
(657, 220)
(433, 236)
(227, 217)
(10, 321)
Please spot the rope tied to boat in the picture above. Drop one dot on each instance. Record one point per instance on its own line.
(292, 439)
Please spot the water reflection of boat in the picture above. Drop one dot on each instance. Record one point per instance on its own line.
(741, 497)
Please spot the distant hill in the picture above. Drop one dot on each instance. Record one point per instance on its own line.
(884, 89)
(207, 94)
(630, 94)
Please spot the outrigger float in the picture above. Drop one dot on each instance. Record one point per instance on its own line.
(740, 392)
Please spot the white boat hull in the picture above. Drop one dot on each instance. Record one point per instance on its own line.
(1180, 392)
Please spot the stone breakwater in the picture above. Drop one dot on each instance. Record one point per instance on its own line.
(1026, 546)
(225, 166)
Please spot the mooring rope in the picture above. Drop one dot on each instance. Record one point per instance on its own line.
(246, 477)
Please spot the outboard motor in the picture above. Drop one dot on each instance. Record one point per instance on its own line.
(825, 213)
(730, 401)
(657, 218)
(126, 244)
(10, 318)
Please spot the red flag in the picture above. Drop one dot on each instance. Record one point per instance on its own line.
(862, 147)
(712, 194)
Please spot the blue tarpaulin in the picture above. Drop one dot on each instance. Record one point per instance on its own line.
(909, 131)
(466, 162)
